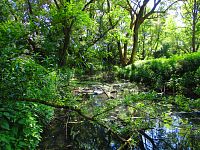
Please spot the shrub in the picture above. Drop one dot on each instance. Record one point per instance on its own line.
(21, 122)
(179, 73)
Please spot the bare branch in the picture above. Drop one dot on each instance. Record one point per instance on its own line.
(109, 9)
(149, 138)
(154, 7)
(86, 5)
(140, 17)
(133, 9)
(54, 104)
(134, 3)
(171, 5)
(152, 10)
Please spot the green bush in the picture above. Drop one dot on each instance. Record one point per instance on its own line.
(179, 73)
(22, 122)
(197, 81)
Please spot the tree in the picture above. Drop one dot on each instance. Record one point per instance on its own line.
(84, 25)
(150, 37)
(69, 14)
(139, 11)
(191, 17)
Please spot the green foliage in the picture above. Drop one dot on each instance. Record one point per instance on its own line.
(34, 35)
(181, 102)
(22, 123)
(179, 73)
(63, 78)
(23, 77)
(12, 39)
(190, 32)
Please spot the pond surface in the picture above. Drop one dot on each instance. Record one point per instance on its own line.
(155, 126)
(182, 133)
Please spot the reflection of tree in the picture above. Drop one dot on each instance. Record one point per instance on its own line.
(90, 136)
(145, 123)
(175, 137)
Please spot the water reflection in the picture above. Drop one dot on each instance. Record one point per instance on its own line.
(150, 125)
(181, 134)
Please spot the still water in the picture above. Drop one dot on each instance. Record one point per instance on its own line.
(164, 129)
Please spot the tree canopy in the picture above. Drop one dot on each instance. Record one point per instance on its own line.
(49, 48)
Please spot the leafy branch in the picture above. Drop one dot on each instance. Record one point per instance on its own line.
(78, 111)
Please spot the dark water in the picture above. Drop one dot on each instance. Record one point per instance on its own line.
(165, 130)
(182, 133)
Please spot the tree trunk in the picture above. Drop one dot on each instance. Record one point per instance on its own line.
(63, 52)
(125, 52)
(120, 51)
(122, 61)
(193, 37)
(143, 46)
(194, 15)
(67, 29)
(135, 43)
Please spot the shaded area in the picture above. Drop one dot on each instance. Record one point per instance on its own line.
(148, 124)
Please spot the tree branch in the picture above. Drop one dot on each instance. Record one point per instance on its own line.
(86, 5)
(56, 105)
(103, 35)
(152, 10)
(154, 7)
(56, 4)
(129, 4)
(105, 111)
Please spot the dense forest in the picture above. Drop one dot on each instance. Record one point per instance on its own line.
(99, 74)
